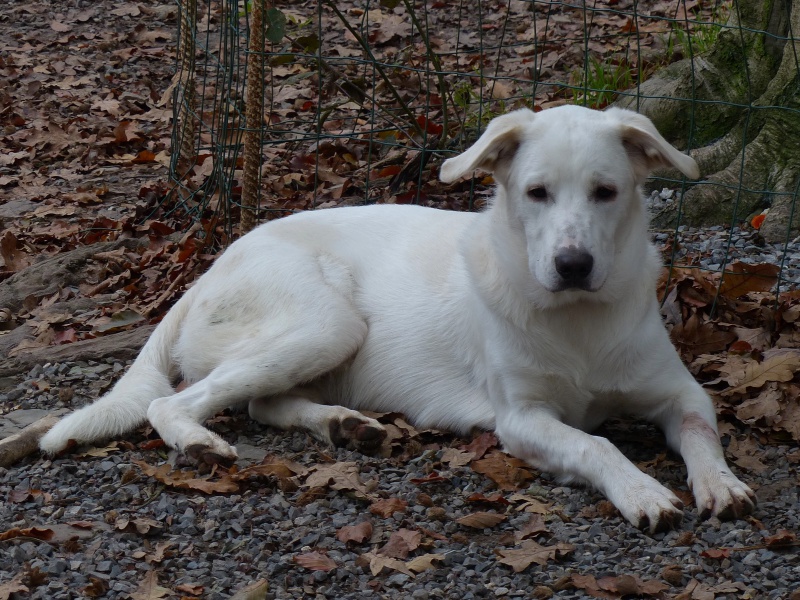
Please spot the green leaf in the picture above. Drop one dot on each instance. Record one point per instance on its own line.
(276, 25)
(309, 43)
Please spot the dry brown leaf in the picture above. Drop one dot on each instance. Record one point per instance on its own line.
(790, 415)
(338, 476)
(315, 561)
(387, 507)
(508, 472)
(531, 504)
(741, 278)
(758, 338)
(15, 586)
(401, 543)
(99, 452)
(781, 539)
(530, 552)
(162, 551)
(188, 479)
(378, 563)
(619, 586)
(255, 591)
(97, 588)
(777, 367)
(534, 526)
(191, 588)
(149, 589)
(271, 466)
(140, 525)
(481, 520)
(496, 498)
(355, 533)
(766, 406)
(694, 337)
(481, 444)
(424, 562)
(696, 590)
(39, 533)
(455, 458)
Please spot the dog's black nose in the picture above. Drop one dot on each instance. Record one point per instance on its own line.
(574, 266)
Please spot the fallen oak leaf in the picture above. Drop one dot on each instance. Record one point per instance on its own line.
(619, 586)
(254, 591)
(378, 563)
(15, 586)
(99, 452)
(478, 497)
(97, 588)
(781, 540)
(315, 561)
(39, 533)
(401, 543)
(424, 562)
(387, 507)
(355, 533)
(741, 278)
(780, 366)
(508, 472)
(188, 479)
(530, 552)
(149, 589)
(534, 526)
(716, 553)
(457, 458)
(531, 504)
(481, 444)
(190, 588)
(481, 520)
(432, 477)
(141, 525)
(338, 476)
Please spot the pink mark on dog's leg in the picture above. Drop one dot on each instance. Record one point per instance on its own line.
(694, 424)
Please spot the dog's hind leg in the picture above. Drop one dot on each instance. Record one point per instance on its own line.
(335, 425)
(278, 360)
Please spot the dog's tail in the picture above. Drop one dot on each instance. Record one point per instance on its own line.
(125, 407)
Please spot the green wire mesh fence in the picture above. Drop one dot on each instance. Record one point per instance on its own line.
(297, 105)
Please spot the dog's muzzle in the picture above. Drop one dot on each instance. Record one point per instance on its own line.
(574, 266)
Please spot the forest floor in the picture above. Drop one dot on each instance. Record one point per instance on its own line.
(90, 263)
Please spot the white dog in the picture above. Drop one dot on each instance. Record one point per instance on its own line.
(536, 318)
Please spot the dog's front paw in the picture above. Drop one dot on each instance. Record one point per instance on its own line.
(360, 432)
(650, 507)
(719, 493)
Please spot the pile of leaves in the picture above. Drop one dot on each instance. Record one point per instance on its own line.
(748, 354)
(360, 99)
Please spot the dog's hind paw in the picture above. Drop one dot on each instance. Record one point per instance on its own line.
(209, 451)
(362, 433)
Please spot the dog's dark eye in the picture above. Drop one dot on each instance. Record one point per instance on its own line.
(605, 193)
(538, 193)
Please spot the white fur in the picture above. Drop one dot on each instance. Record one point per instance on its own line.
(458, 320)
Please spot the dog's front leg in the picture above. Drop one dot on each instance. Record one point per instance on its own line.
(536, 435)
(690, 425)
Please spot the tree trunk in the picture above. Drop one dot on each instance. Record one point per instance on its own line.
(738, 108)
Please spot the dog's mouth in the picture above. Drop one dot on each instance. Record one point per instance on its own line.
(566, 286)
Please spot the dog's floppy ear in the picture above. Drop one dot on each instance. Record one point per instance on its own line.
(648, 149)
(499, 142)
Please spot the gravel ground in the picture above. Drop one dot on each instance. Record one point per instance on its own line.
(211, 546)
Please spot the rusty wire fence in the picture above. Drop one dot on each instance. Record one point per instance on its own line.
(292, 106)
